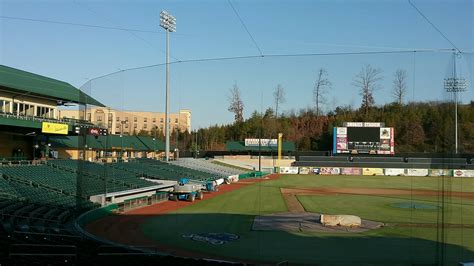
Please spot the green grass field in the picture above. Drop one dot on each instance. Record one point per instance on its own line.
(406, 244)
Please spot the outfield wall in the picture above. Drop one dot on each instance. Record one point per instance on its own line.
(376, 171)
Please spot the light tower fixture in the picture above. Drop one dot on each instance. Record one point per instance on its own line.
(167, 22)
(455, 85)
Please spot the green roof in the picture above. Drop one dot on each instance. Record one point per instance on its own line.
(115, 142)
(20, 81)
(287, 146)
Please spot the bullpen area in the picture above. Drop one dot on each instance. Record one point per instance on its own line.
(414, 221)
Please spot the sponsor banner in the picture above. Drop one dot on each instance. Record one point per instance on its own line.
(392, 141)
(372, 171)
(341, 131)
(417, 172)
(351, 171)
(394, 171)
(305, 170)
(385, 133)
(288, 170)
(440, 172)
(264, 142)
(330, 171)
(54, 128)
(341, 146)
(316, 171)
(463, 173)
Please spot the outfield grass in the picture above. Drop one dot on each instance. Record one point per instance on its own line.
(234, 212)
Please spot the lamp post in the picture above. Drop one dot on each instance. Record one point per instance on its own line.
(167, 22)
(455, 85)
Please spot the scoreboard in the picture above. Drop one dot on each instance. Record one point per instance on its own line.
(364, 137)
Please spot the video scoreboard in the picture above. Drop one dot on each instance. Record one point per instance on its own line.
(364, 138)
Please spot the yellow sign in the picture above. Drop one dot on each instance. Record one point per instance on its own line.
(54, 128)
(372, 171)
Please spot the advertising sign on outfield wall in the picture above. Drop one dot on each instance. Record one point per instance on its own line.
(316, 171)
(394, 171)
(351, 171)
(305, 170)
(372, 171)
(441, 172)
(463, 173)
(289, 170)
(330, 171)
(417, 172)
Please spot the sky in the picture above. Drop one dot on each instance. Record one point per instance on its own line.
(100, 60)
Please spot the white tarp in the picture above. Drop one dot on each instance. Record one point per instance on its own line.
(417, 172)
(463, 173)
(394, 171)
(288, 170)
(340, 220)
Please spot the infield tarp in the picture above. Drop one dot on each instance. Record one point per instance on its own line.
(372, 171)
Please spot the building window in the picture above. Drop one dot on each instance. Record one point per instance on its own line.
(176, 120)
(145, 120)
(154, 120)
(126, 119)
(99, 118)
(135, 119)
(117, 119)
(145, 126)
(134, 125)
(126, 125)
(161, 120)
(117, 126)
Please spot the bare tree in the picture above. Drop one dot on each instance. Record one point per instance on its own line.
(279, 96)
(367, 82)
(321, 86)
(399, 85)
(236, 105)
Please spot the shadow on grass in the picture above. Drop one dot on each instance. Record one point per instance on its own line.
(230, 237)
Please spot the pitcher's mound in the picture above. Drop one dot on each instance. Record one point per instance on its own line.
(305, 222)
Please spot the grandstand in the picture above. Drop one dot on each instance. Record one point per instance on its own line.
(206, 166)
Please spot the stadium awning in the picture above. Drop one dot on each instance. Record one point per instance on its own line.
(16, 80)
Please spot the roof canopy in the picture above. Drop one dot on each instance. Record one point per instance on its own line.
(15, 80)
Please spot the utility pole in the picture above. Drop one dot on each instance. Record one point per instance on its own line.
(167, 22)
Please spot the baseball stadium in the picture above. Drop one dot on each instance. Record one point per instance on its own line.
(273, 158)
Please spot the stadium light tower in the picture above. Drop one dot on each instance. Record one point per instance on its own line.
(455, 85)
(167, 22)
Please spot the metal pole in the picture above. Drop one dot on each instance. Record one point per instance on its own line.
(455, 108)
(167, 124)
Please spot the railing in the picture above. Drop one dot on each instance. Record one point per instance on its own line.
(43, 119)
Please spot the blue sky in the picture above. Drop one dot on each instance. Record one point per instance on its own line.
(210, 29)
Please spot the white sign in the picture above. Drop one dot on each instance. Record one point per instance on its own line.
(289, 170)
(417, 172)
(394, 171)
(385, 133)
(341, 131)
(263, 142)
(463, 173)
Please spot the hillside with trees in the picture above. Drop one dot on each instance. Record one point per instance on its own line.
(419, 127)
